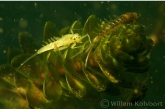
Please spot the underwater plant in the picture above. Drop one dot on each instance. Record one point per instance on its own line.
(83, 64)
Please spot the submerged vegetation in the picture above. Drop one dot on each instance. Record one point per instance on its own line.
(113, 60)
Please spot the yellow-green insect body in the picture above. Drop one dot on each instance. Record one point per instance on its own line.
(60, 44)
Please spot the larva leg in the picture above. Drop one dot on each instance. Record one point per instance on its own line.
(47, 57)
(61, 48)
(88, 50)
(87, 35)
(89, 38)
(58, 49)
(73, 45)
(88, 55)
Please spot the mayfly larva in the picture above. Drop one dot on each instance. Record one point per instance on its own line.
(59, 44)
(126, 18)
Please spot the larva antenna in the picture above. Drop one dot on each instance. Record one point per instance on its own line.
(87, 35)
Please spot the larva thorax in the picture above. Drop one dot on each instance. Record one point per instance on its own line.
(68, 39)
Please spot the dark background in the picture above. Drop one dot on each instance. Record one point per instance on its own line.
(63, 14)
(34, 15)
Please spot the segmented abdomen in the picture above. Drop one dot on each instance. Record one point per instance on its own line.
(108, 26)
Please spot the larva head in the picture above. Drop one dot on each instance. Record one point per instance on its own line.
(135, 16)
(130, 17)
(76, 38)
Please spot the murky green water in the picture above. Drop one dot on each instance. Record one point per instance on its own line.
(16, 17)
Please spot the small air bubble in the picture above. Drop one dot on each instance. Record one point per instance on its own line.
(1, 18)
(1, 30)
(23, 23)
(4, 51)
(35, 5)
